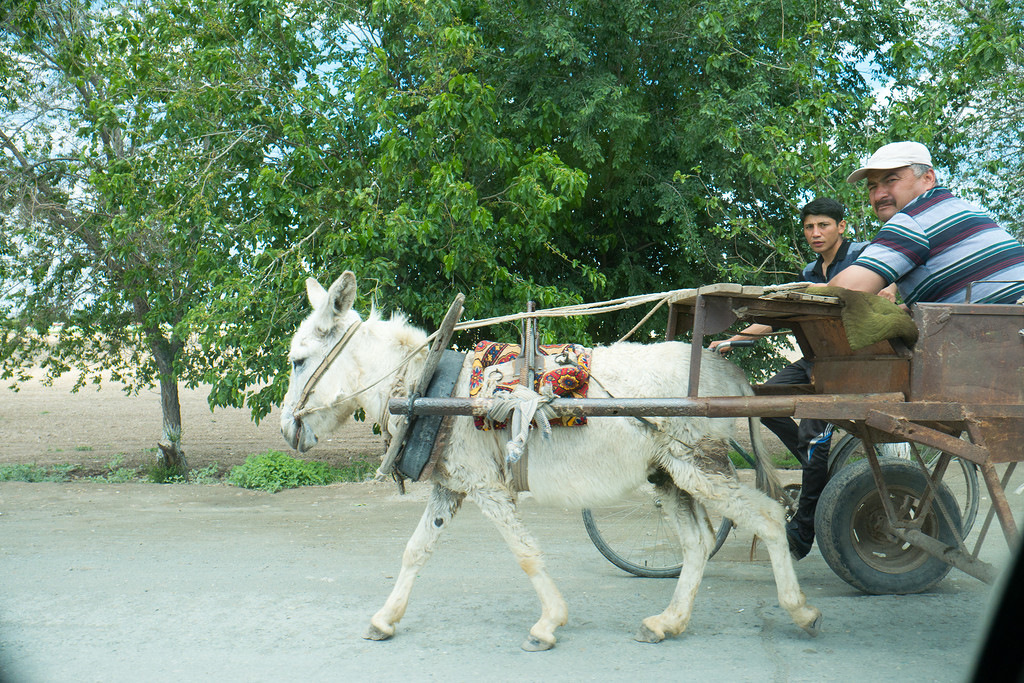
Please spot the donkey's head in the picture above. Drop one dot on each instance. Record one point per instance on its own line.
(310, 408)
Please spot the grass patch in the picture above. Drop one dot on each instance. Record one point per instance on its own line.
(115, 473)
(786, 461)
(783, 461)
(36, 473)
(271, 471)
(274, 471)
(162, 474)
(208, 475)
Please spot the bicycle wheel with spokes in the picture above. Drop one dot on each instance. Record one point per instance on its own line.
(963, 485)
(636, 535)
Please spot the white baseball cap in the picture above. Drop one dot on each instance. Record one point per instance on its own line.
(893, 155)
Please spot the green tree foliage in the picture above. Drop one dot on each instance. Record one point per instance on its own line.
(959, 88)
(172, 171)
(406, 177)
(702, 126)
(971, 100)
(562, 152)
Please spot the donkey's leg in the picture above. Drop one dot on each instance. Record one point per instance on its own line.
(695, 535)
(441, 507)
(751, 509)
(500, 508)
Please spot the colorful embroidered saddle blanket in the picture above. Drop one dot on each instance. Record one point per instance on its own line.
(566, 370)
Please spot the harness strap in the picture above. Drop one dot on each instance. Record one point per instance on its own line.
(324, 364)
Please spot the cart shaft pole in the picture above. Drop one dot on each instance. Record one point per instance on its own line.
(716, 406)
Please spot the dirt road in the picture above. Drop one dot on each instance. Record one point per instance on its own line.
(173, 583)
(132, 582)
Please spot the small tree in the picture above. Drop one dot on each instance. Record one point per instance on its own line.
(131, 132)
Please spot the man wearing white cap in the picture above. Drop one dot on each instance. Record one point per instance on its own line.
(932, 244)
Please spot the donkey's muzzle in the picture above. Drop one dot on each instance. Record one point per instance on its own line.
(297, 433)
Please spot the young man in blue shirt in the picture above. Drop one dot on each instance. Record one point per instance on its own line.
(810, 441)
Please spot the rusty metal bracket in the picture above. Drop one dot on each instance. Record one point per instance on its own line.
(979, 569)
(910, 431)
(910, 532)
(974, 451)
(992, 512)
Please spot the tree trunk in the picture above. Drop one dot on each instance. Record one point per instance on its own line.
(165, 351)
(173, 455)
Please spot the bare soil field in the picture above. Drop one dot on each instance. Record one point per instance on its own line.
(47, 425)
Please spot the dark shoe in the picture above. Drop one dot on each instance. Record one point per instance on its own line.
(798, 547)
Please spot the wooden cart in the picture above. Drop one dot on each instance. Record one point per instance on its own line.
(881, 527)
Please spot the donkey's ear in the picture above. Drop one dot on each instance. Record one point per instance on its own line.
(342, 293)
(315, 292)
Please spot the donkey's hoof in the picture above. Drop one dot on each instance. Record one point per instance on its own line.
(814, 628)
(374, 633)
(535, 644)
(646, 635)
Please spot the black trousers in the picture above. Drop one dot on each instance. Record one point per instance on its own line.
(810, 442)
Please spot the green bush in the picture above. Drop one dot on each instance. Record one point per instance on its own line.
(208, 475)
(274, 471)
(157, 473)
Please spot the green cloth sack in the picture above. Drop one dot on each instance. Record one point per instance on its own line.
(869, 318)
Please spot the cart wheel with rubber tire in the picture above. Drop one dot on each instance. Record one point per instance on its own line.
(856, 540)
(961, 475)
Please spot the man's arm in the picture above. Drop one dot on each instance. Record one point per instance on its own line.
(755, 331)
(858, 278)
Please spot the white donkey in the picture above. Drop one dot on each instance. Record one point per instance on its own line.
(578, 466)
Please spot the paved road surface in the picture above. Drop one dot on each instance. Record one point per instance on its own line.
(139, 582)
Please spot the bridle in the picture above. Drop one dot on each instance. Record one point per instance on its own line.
(324, 364)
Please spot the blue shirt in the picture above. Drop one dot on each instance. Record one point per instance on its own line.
(845, 256)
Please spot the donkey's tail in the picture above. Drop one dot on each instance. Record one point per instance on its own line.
(765, 475)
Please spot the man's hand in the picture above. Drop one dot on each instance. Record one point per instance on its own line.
(753, 332)
(889, 293)
(713, 346)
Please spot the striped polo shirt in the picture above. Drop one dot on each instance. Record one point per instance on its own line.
(938, 245)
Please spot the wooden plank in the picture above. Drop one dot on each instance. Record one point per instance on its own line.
(424, 431)
(437, 347)
(683, 297)
(721, 288)
(803, 296)
(783, 389)
(871, 374)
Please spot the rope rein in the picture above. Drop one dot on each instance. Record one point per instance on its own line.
(595, 308)
(558, 312)
(525, 405)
